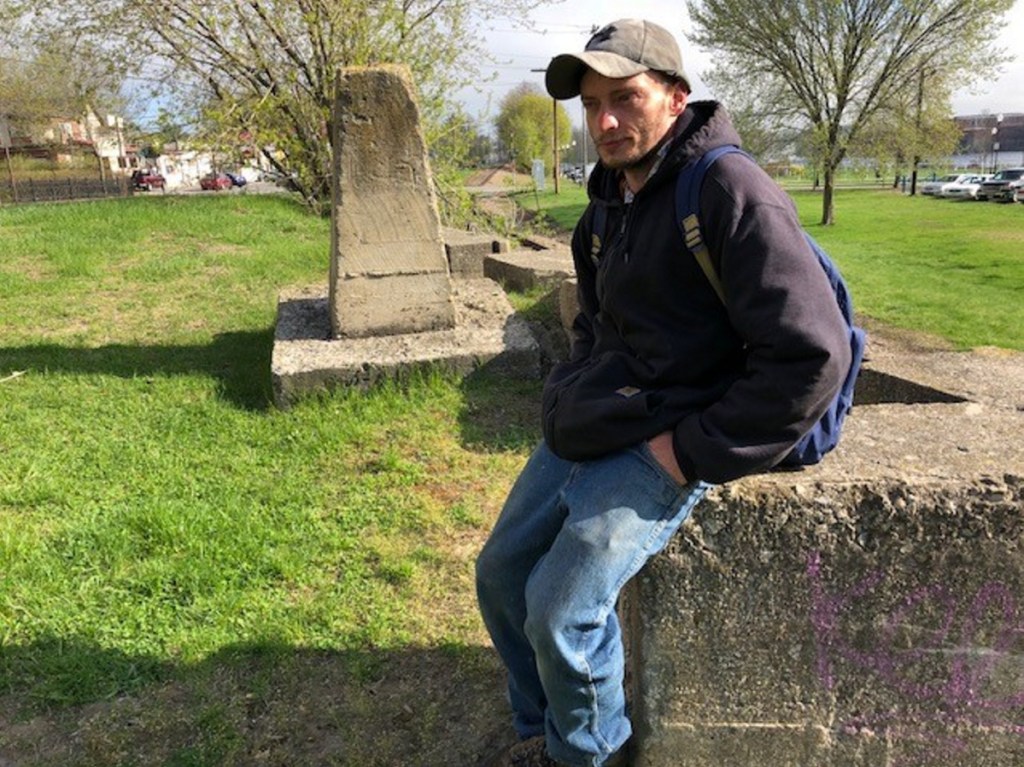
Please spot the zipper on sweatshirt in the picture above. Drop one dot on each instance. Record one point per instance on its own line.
(624, 227)
(623, 239)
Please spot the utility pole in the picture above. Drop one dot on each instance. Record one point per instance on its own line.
(584, 137)
(554, 139)
(917, 133)
(554, 134)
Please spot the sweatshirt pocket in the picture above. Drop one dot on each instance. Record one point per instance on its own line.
(598, 407)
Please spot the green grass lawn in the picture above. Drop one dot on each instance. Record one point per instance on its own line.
(190, 577)
(163, 527)
(950, 269)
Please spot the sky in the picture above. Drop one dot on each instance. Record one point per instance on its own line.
(566, 27)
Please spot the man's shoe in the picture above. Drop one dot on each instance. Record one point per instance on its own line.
(532, 752)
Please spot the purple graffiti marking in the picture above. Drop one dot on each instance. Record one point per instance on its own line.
(990, 635)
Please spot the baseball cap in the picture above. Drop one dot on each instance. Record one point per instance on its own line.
(621, 49)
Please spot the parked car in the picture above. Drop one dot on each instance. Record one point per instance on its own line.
(964, 190)
(934, 186)
(215, 181)
(146, 179)
(237, 179)
(1003, 186)
(575, 173)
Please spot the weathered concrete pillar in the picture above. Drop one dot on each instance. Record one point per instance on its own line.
(389, 274)
(390, 306)
(868, 612)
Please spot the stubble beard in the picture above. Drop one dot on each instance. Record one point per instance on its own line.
(634, 162)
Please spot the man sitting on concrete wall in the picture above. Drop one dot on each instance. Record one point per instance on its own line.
(668, 388)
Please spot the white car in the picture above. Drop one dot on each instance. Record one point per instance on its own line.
(935, 186)
(966, 189)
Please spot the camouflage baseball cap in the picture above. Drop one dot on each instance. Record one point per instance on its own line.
(621, 49)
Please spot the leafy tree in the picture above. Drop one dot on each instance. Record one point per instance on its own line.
(37, 87)
(458, 144)
(835, 64)
(43, 85)
(525, 125)
(268, 67)
(766, 133)
(915, 126)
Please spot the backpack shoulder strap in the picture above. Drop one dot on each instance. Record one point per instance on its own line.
(598, 222)
(688, 185)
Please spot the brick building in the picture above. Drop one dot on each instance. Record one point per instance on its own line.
(990, 141)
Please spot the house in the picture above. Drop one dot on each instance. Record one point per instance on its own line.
(60, 137)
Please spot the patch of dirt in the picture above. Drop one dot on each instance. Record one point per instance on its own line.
(901, 338)
(413, 707)
(504, 177)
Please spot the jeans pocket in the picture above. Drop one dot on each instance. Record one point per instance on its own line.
(644, 449)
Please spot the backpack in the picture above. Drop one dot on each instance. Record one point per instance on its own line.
(824, 435)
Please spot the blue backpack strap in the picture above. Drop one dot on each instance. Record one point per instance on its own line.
(688, 185)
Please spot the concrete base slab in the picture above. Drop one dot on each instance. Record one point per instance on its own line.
(523, 269)
(307, 359)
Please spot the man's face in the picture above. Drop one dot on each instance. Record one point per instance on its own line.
(628, 117)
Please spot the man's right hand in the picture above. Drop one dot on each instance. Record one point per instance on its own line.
(665, 455)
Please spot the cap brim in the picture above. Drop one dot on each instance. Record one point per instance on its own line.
(566, 70)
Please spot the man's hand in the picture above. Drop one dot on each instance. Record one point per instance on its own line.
(661, 448)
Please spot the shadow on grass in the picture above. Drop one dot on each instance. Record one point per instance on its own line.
(239, 360)
(267, 703)
(500, 412)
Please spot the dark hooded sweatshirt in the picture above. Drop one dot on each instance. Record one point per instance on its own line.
(655, 349)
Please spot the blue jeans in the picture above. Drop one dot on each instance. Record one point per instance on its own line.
(568, 539)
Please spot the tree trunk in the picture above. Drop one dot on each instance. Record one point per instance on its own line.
(827, 194)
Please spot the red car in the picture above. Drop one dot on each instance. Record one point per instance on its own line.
(144, 180)
(215, 181)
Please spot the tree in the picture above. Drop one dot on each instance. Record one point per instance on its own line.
(458, 144)
(913, 127)
(834, 64)
(38, 87)
(766, 134)
(268, 67)
(525, 125)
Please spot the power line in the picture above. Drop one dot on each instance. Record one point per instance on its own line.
(542, 32)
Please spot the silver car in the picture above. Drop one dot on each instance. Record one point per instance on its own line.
(1003, 186)
(935, 185)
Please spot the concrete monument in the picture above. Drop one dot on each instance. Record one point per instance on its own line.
(388, 269)
(391, 304)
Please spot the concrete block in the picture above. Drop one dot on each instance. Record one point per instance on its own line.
(867, 611)
(525, 269)
(466, 251)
